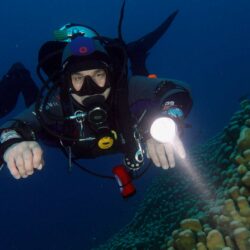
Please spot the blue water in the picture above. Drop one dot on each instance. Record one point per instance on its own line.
(208, 46)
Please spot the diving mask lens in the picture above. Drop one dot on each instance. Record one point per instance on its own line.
(77, 80)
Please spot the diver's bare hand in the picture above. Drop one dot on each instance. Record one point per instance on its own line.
(23, 158)
(163, 154)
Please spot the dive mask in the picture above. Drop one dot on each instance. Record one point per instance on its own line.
(89, 86)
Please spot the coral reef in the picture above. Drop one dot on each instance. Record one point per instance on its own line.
(202, 207)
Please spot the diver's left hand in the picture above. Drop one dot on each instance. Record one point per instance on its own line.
(163, 154)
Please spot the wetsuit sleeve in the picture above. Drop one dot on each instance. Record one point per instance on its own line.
(24, 127)
(174, 93)
(155, 92)
(152, 96)
(27, 117)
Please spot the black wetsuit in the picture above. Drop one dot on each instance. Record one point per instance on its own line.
(144, 94)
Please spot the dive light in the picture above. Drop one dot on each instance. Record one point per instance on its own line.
(163, 129)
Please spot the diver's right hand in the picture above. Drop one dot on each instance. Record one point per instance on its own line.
(23, 158)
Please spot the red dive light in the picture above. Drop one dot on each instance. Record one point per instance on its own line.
(124, 180)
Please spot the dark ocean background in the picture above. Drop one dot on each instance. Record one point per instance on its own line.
(207, 46)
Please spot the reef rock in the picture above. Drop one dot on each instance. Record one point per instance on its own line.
(206, 210)
(241, 236)
(215, 240)
(243, 142)
(192, 224)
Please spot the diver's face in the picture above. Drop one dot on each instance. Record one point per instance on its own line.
(98, 76)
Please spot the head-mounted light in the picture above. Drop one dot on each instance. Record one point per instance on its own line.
(69, 31)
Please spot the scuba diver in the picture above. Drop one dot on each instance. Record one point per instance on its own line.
(89, 106)
(17, 79)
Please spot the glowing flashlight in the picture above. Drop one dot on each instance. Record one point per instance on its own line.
(163, 129)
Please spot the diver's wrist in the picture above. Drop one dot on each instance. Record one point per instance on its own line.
(8, 138)
(8, 134)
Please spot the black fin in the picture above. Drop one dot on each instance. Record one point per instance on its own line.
(20, 78)
(120, 21)
(17, 80)
(139, 49)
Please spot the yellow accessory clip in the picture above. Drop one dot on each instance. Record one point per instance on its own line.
(106, 142)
